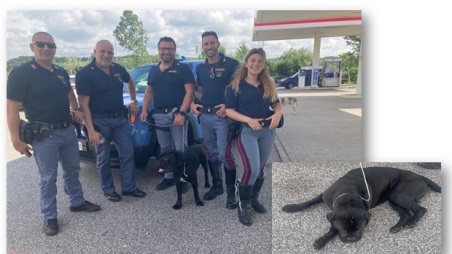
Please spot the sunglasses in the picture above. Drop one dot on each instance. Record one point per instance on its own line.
(41, 44)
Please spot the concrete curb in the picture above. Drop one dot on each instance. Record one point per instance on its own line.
(283, 156)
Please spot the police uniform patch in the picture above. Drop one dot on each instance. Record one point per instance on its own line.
(61, 78)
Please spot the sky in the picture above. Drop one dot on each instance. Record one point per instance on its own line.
(406, 61)
(77, 31)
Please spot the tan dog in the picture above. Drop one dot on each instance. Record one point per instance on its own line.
(292, 101)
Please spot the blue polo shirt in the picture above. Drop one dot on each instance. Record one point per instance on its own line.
(105, 91)
(214, 78)
(249, 101)
(44, 93)
(168, 87)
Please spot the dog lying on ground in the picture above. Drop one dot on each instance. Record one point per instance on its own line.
(184, 167)
(350, 201)
(292, 101)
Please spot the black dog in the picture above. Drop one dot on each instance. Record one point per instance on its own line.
(184, 166)
(350, 200)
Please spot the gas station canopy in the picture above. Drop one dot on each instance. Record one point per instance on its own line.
(295, 24)
(308, 24)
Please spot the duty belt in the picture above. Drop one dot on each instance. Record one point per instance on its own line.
(208, 109)
(165, 110)
(263, 123)
(53, 126)
(107, 115)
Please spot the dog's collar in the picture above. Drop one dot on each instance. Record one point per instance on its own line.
(343, 194)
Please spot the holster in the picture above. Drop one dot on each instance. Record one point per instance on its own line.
(234, 130)
(25, 132)
(281, 122)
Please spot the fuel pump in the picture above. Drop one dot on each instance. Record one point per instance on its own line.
(301, 77)
(332, 73)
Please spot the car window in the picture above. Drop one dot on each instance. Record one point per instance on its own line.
(140, 77)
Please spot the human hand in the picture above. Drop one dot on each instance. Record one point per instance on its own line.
(94, 137)
(22, 147)
(133, 108)
(144, 116)
(275, 118)
(77, 116)
(221, 110)
(254, 124)
(194, 108)
(179, 119)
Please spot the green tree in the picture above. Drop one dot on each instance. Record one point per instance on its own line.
(354, 42)
(241, 52)
(350, 59)
(131, 35)
(291, 61)
(349, 65)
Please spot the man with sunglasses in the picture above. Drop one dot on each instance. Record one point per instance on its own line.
(99, 88)
(44, 91)
(170, 87)
(212, 78)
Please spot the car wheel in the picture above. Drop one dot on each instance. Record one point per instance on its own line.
(290, 86)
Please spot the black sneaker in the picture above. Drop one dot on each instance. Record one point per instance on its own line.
(137, 193)
(50, 227)
(165, 184)
(85, 207)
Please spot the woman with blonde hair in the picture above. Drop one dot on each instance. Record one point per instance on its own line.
(251, 99)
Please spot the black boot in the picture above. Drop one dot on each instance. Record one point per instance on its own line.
(258, 207)
(232, 200)
(244, 209)
(217, 181)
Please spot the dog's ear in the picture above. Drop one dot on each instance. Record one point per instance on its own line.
(330, 217)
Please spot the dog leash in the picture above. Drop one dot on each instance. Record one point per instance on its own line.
(365, 181)
(367, 188)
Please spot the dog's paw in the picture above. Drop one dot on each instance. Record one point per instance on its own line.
(319, 243)
(395, 229)
(177, 206)
(199, 203)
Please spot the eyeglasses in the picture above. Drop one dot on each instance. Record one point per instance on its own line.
(166, 49)
(41, 44)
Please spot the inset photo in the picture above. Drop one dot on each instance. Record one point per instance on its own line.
(353, 207)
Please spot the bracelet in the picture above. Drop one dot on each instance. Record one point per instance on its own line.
(74, 109)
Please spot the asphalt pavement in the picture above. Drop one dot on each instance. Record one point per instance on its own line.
(316, 146)
(296, 232)
(147, 225)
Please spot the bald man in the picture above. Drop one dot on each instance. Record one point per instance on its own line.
(99, 88)
(44, 91)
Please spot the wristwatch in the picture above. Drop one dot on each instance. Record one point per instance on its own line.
(134, 101)
(182, 113)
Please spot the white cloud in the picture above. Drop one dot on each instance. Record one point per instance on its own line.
(77, 31)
